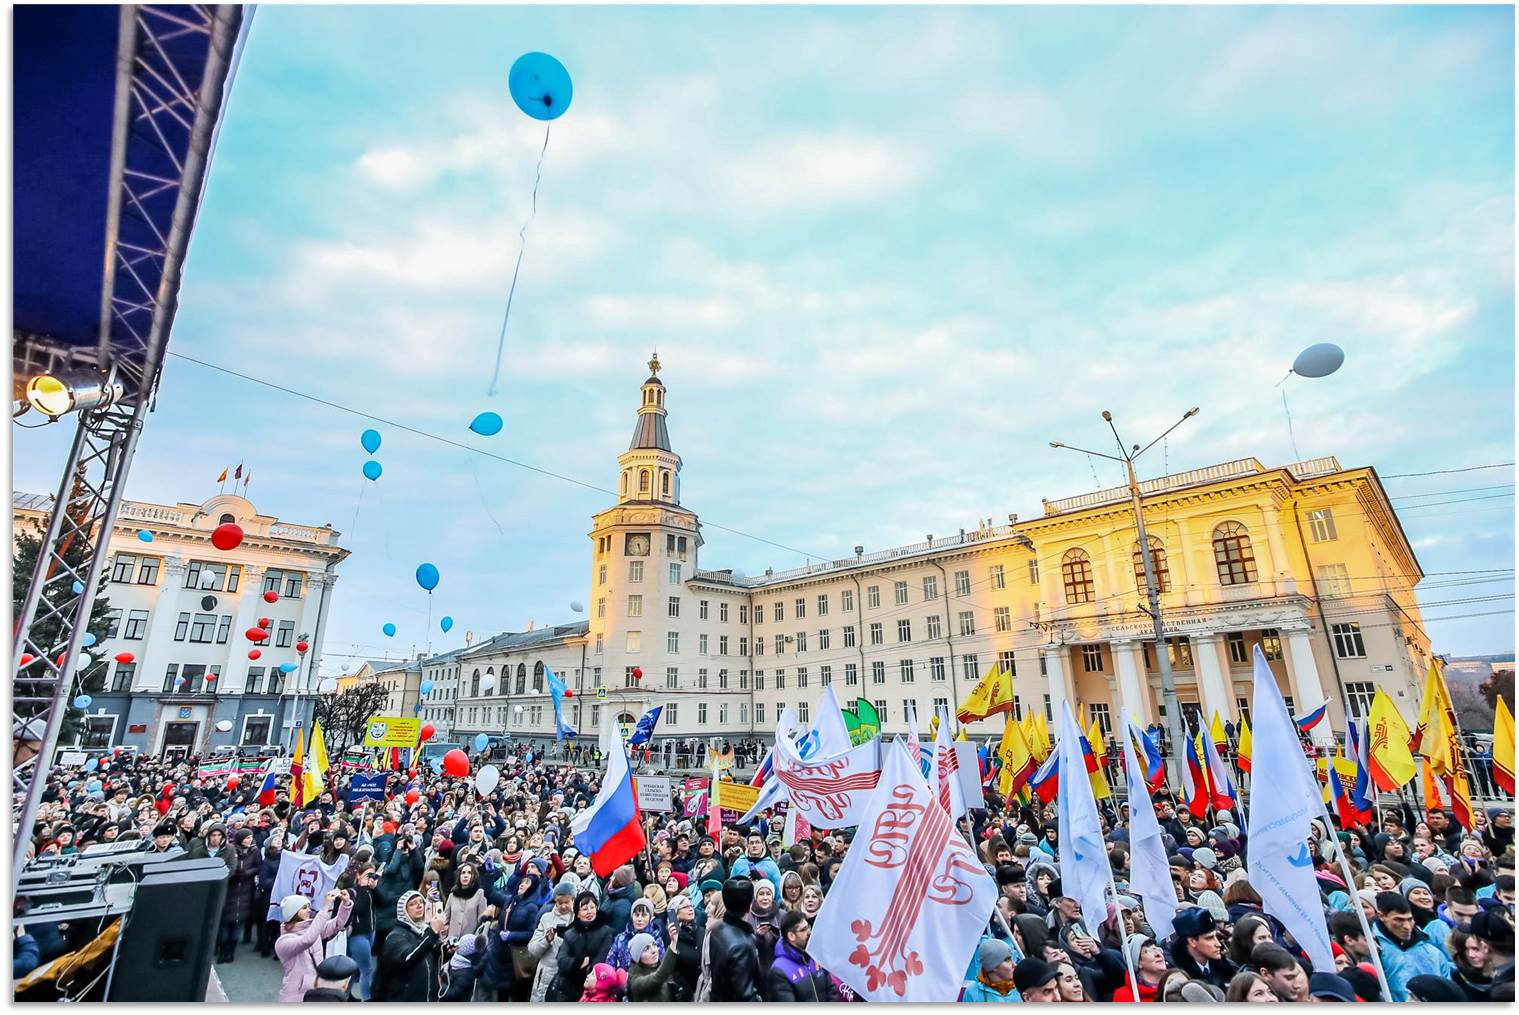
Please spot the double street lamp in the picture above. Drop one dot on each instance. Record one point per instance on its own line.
(1128, 455)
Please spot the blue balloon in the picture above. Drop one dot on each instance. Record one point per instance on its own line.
(1318, 360)
(145, 535)
(371, 440)
(482, 741)
(487, 424)
(437, 764)
(88, 640)
(418, 707)
(77, 588)
(390, 630)
(446, 623)
(427, 577)
(90, 766)
(289, 667)
(372, 470)
(83, 701)
(427, 686)
(540, 86)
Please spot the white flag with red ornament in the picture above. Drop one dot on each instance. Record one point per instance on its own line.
(904, 916)
(833, 792)
(950, 788)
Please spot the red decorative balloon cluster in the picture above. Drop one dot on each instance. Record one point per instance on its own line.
(227, 536)
(568, 693)
(271, 596)
(256, 634)
(428, 731)
(124, 657)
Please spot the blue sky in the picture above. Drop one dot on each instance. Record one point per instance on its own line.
(886, 255)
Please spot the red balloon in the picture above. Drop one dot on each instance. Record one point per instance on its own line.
(428, 731)
(26, 658)
(301, 647)
(256, 634)
(412, 796)
(569, 694)
(254, 653)
(116, 751)
(271, 596)
(124, 657)
(263, 622)
(227, 536)
(234, 782)
(637, 673)
(456, 762)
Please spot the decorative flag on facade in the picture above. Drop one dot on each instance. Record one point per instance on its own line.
(1243, 748)
(1149, 870)
(1084, 871)
(1503, 747)
(644, 731)
(911, 900)
(610, 831)
(1435, 739)
(1390, 760)
(223, 477)
(1278, 826)
(239, 473)
(993, 693)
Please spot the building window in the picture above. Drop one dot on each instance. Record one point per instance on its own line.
(1239, 652)
(1033, 571)
(1104, 720)
(1347, 641)
(722, 613)
(851, 674)
(98, 730)
(701, 679)
(899, 593)
(1242, 706)
(1157, 561)
(759, 680)
(121, 680)
(1003, 618)
(182, 627)
(285, 636)
(825, 674)
(171, 675)
(822, 605)
(701, 645)
(935, 629)
(601, 608)
(880, 704)
(672, 642)
(112, 623)
(849, 636)
(671, 714)
(1271, 643)
(904, 670)
(801, 641)
(801, 608)
(722, 714)
(293, 583)
(1334, 580)
(635, 642)
(759, 712)
(1233, 554)
(780, 679)
(1359, 695)
(823, 640)
(743, 613)
(846, 600)
(904, 630)
(1091, 658)
(701, 713)
(1321, 526)
(802, 712)
(223, 628)
(875, 633)
(779, 610)
(936, 669)
(759, 614)
(147, 574)
(635, 606)
(962, 583)
(203, 627)
(967, 622)
(635, 570)
(701, 609)
(930, 588)
(1007, 663)
(780, 644)
(873, 597)
(672, 607)
(600, 646)
(1076, 570)
(743, 646)
(722, 680)
(972, 667)
(601, 575)
(124, 567)
(999, 579)
(878, 672)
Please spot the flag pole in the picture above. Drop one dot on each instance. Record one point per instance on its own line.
(1123, 938)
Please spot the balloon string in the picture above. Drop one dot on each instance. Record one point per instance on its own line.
(485, 501)
(1296, 454)
(353, 529)
(521, 249)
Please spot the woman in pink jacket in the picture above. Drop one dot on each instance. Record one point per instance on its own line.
(300, 943)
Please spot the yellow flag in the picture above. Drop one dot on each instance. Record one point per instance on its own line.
(1243, 748)
(1435, 740)
(223, 477)
(1503, 747)
(297, 770)
(962, 735)
(1216, 732)
(315, 772)
(993, 693)
(1017, 759)
(1098, 742)
(1392, 763)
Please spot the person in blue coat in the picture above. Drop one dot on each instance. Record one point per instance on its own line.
(25, 955)
(992, 979)
(519, 919)
(1406, 950)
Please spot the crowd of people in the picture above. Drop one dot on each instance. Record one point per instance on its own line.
(440, 894)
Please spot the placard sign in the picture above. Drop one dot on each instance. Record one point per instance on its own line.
(653, 793)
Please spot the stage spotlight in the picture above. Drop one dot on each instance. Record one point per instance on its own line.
(76, 391)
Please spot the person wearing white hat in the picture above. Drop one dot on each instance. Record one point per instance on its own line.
(299, 947)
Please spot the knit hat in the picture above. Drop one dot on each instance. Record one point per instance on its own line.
(641, 943)
(1331, 987)
(446, 849)
(1205, 858)
(992, 953)
(565, 888)
(642, 903)
(1214, 904)
(291, 905)
(1199, 992)
(1132, 946)
(1224, 817)
(622, 876)
(1031, 973)
(609, 978)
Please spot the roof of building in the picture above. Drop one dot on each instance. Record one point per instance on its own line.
(31, 501)
(650, 432)
(443, 657)
(512, 641)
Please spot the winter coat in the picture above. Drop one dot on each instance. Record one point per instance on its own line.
(408, 965)
(583, 947)
(268, 870)
(687, 962)
(25, 956)
(402, 873)
(514, 928)
(459, 980)
(1402, 961)
(618, 904)
(299, 950)
(795, 977)
(242, 888)
(618, 956)
(733, 958)
(651, 983)
(546, 951)
(1220, 970)
(976, 991)
(464, 912)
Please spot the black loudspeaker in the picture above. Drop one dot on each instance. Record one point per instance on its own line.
(171, 934)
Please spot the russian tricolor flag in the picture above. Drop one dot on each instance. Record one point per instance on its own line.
(610, 831)
(1045, 782)
(765, 770)
(1194, 780)
(1155, 768)
(266, 793)
(1312, 719)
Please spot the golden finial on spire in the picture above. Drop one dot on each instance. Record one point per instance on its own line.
(654, 364)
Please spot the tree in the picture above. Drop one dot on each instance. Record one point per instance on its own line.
(344, 714)
(47, 632)
(1500, 682)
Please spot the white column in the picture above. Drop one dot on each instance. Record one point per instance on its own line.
(1131, 690)
(246, 616)
(156, 646)
(1210, 677)
(1281, 568)
(1059, 680)
(1307, 688)
(313, 611)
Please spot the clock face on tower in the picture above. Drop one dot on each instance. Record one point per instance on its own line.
(637, 544)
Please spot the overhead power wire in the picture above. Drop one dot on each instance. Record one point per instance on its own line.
(1447, 472)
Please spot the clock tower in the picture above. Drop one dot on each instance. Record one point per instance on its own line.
(645, 550)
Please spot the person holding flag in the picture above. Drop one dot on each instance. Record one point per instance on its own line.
(1149, 868)
(610, 831)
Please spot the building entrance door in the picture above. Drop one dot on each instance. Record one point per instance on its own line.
(179, 739)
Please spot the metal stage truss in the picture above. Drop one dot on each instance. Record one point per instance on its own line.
(116, 112)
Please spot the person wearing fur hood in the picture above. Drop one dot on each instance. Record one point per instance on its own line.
(408, 969)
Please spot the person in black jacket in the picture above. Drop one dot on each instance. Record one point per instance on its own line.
(794, 976)
(686, 931)
(409, 961)
(361, 926)
(1197, 950)
(733, 955)
(585, 943)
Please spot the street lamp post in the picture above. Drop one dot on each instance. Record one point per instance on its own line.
(1174, 728)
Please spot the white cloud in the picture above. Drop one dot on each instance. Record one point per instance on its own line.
(809, 171)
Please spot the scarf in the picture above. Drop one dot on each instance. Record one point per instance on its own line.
(402, 917)
(1003, 989)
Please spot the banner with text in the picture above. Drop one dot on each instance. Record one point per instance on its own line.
(391, 731)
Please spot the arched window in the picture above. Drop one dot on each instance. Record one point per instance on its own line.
(1076, 569)
(643, 481)
(538, 677)
(490, 671)
(664, 484)
(1157, 560)
(225, 520)
(624, 487)
(522, 678)
(474, 684)
(1233, 554)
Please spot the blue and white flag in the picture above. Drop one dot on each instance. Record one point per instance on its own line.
(645, 728)
(1281, 864)
(562, 729)
(1149, 870)
(1084, 870)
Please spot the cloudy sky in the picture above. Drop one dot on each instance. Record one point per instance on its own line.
(886, 256)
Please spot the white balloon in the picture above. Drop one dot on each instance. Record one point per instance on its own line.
(327, 686)
(488, 682)
(84, 661)
(1318, 360)
(224, 726)
(487, 779)
(577, 606)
